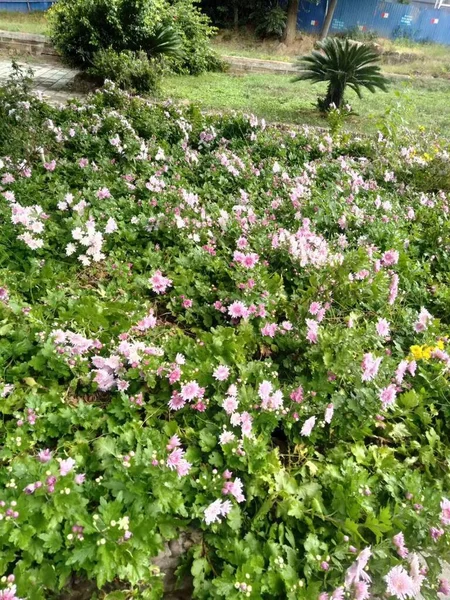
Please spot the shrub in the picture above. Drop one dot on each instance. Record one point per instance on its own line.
(342, 64)
(195, 30)
(271, 22)
(210, 324)
(130, 70)
(177, 30)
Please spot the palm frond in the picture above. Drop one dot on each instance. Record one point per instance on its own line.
(342, 63)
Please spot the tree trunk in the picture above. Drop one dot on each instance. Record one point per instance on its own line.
(291, 22)
(335, 95)
(328, 19)
(236, 16)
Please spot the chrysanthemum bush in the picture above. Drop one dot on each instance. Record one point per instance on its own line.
(209, 324)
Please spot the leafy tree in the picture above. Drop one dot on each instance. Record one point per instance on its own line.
(342, 63)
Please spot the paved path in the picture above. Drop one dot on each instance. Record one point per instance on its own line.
(52, 80)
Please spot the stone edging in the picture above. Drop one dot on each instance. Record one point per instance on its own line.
(255, 65)
(26, 43)
(40, 45)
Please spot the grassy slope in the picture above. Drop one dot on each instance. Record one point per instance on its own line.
(35, 22)
(278, 98)
(431, 59)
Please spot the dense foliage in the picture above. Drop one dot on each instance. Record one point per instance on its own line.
(266, 17)
(129, 70)
(211, 325)
(342, 64)
(175, 29)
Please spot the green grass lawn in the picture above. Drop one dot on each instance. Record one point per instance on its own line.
(427, 60)
(35, 22)
(278, 98)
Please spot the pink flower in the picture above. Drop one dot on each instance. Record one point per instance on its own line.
(238, 310)
(329, 411)
(297, 395)
(416, 573)
(400, 372)
(221, 373)
(444, 587)
(382, 327)
(338, 594)
(44, 456)
(183, 467)
(230, 405)
(176, 401)
(236, 489)
(51, 166)
(216, 510)
(226, 438)
(445, 511)
(246, 260)
(315, 307)
(312, 332)
(264, 390)
(80, 478)
(390, 258)
(66, 466)
(159, 283)
(370, 366)
(105, 379)
(399, 542)
(9, 593)
(174, 442)
(148, 322)
(361, 590)
(111, 226)
(174, 458)
(423, 321)
(393, 289)
(174, 375)
(103, 193)
(190, 391)
(436, 533)
(388, 395)
(308, 426)
(399, 583)
(269, 329)
(356, 571)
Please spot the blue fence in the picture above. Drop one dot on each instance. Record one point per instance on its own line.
(388, 19)
(15, 6)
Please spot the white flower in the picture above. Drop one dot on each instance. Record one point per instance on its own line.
(70, 249)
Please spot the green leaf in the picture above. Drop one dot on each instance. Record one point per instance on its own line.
(207, 440)
(234, 518)
(52, 541)
(199, 566)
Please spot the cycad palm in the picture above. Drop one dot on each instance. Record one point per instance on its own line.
(342, 63)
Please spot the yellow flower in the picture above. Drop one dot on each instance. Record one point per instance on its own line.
(440, 345)
(426, 352)
(416, 351)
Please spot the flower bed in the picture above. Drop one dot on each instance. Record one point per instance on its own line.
(209, 324)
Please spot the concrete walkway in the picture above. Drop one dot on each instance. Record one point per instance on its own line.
(52, 80)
